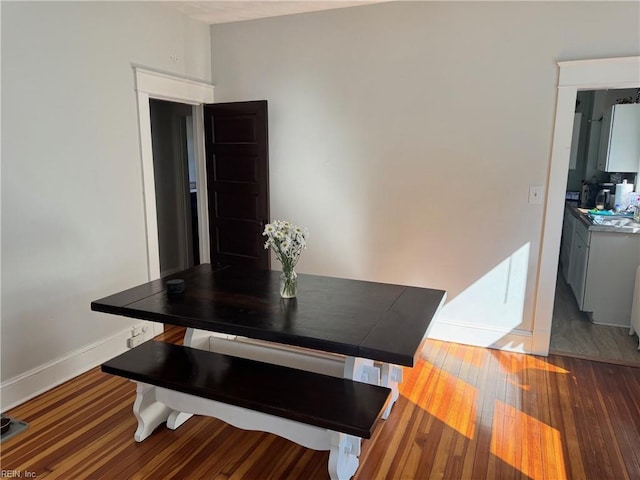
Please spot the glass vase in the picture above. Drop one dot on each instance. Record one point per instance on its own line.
(288, 284)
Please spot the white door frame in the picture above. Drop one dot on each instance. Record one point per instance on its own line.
(163, 86)
(597, 74)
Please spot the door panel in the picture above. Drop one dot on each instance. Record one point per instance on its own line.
(236, 128)
(236, 239)
(243, 169)
(236, 145)
(234, 206)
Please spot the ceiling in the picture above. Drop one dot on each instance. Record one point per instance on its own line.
(237, 10)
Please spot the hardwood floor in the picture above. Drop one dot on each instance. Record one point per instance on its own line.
(464, 413)
(572, 333)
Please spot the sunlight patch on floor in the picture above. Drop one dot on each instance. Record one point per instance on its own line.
(511, 428)
(450, 400)
(515, 363)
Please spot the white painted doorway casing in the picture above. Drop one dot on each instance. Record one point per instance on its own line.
(162, 86)
(599, 74)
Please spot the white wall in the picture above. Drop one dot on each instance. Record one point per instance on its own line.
(72, 205)
(405, 136)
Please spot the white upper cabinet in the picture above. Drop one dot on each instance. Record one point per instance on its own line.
(620, 139)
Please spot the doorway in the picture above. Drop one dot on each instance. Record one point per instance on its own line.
(176, 185)
(575, 329)
(623, 72)
(150, 84)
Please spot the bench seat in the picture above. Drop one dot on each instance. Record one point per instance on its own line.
(337, 404)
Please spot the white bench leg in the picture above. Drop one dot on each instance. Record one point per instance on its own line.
(149, 412)
(343, 456)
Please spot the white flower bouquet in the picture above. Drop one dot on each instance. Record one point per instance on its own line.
(287, 241)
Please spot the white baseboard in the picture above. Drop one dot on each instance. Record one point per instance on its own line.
(500, 339)
(30, 384)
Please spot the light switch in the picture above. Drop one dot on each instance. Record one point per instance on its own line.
(535, 194)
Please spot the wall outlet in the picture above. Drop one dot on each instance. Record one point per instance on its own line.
(535, 194)
(135, 341)
(136, 330)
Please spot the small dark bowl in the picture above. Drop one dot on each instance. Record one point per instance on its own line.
(5, 425)
(175, 286)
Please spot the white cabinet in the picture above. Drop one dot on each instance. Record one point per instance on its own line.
(620, 139)
(579, 263)
(600, 268)
(612, 264)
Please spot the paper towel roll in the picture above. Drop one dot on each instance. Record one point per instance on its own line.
(622, 194)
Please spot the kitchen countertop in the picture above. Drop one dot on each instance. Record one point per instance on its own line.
(583, 215)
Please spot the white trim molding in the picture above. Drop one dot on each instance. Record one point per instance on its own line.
(153, 84)
(623, 72)
(602, 73)
(510, 340)
(165, 86)
(28, 385)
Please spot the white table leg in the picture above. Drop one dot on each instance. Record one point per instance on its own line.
(195, 339)
(361, 370)
(390, 377)
(383, 374)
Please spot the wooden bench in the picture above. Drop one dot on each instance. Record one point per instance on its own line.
(314, 410)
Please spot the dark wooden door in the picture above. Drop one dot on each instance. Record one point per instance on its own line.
(237, 155)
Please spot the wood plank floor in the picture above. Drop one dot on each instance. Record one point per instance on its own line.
(464, 413)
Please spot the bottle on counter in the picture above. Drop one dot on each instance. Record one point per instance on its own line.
(602, 199)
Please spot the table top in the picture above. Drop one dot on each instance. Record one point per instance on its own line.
(372, 320)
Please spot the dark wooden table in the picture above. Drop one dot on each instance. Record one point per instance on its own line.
(369, 320)
(357, 330)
